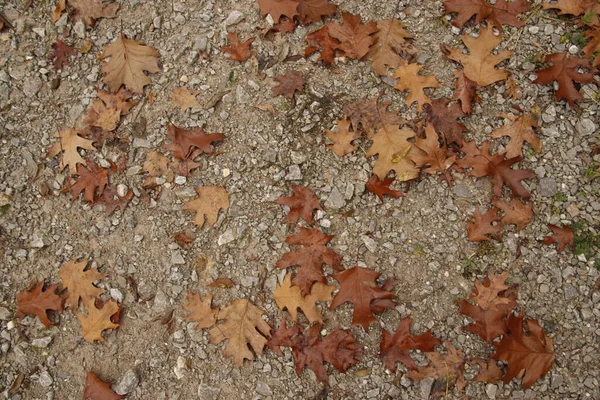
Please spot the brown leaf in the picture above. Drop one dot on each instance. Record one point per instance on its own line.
(310, 258)
(562, 236)
(573, 7)
(502, 12)
(95, 389)
(429, 152)
(223, 283)
(285, 25)
(210, 200)
(528, 355)
(184, 167)
(184, 142)
(342, 140)
(97, 320)
(357, 285)
(490, 372)
(314, 10)
(61, 6)
(448, 367)
(565, 71)
(389, 46)
(111, 199)
(521, 130)
(408, 79)
(465, 90)
(354, 36)
(243, 328)
(396, 347)
(127, 62)
(200, 310)
(593, 46)
(445, 119)
(69, 142)
(392, 145)
(302, 204)
(320, 40)
(79, 283)
(290, 297)
(90, 10)
(512, 89)
(90, 181)
(278, 8)
(489, 304)
(283, 336)
(289, 84)
(38, 301)
(380, 187)
(515, 212)
(478, 230)
(479, 64)
(60, 54)
(102, 117)
(182, 239)
(237, 51)
(184, 99)
(371, 116)
(156, 165)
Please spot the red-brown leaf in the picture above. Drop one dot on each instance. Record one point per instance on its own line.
(313, 10)
(379, 187)
(302, 204)
(370, 116)
(515, 212)
(237, 51)
(185, 142)
(278, 8)
(478, 230)
(95, 389)
(111, 200)
(60, 54)
(320, 40)
(289, 84)
(354, 36)
(38, 301)
(445, 119)
(448, 367)
(222, 283)
(91, 182)
(283, 336)
(465, 91)
(562, 236)
(502, 12)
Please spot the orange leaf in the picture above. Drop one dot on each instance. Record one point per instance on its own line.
(354, 36)
(96, 389)
(478, 230)
(38, 301)
(237, 51)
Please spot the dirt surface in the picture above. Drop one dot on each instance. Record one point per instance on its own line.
(419, 239)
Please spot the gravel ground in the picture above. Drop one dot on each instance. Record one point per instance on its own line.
(419, 239)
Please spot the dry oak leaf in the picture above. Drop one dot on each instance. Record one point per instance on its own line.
(79, 283)
(593, 46)
(565, 71)
(102, 117)
(390, 47)
(91, 182)
(502, 12)
(243, 328)
(393, 147)
(283, 336)
(490, 372)
(185, 143)
(515, 212)
(513, 89)
(465, 90)
(200, 310)
(68, 144)
(156, 165)
(38, 301)
(237, 51)
(122, 100)
(561, 235)
(90, 10)
(210, 200)
(183, 167)
(127, 62)
(396, 347)
(428, 152)
(61, 6)
(354, 36)
(357, 285)
(222, 283)
(320, 40)
(289, 84)
(278, 8)
(489, 304)
(529, 356)
(380, 187)
(290, 297)
(445, 119)
(184, 98)
(302, 204)
(408, 79)
(370, 116)
(482, 163)
(96, 389)
(448, 367)
(478, 230)
(285, 25)
(574, 7)
(314, 10)
(338, 348)
(98, 320)
(479, 64)
(60, 54)
(310, 258)
(111, 199)
(342, 140)
(521, 130)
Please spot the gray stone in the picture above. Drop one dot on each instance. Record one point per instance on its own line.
(370, 243)
(585, 127)
(161, 301)
(79, 29)
(491, 391)
(177, 258)
(373, 393)
(294, 173)
(335, 199)
(425, 387)
(462, 191)
(32, 86)
(116, 295)
(547, 187)
(36, 242)
(226, 237)
(45, 379)
(570, 292)
(41, 342)
(234, 17)
(4, 314)
(263, 389)
(208, 393)
(128, 383)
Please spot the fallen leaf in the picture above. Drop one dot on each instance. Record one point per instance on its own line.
(79, 283)
(313, 10)
(111, 199)
(565, 71)
(490, 372)
(515, 212)
(573, 7)
(320, 40)
(68, 144)
(380, 187)
(60, 54)
(95, 389)
(127, 62)
(289, 84)
(445, 119)
(529, 356)
(392, 145)
(302, 204)
(90, 10)
(513, 89)
(408, 79)
(38, 300)
(285, 25)
(98, 320)
(465, 90)
(61, 6)
(357, 285)
(210, 200)
(243, 328)
(499, 13)
(522, 129)
(184, 143)
(290, 298)
(310, 258)
(200, 310)
(91, 181)
(156, 165)
(354, 36)
(448, 367)
(278, 8)
(478, 230)
(428, 152)
(593, 46)
(182, 239)
(343, 138)
(390, 45)
(237, 51)
(184, 99)
(283, 336)
(223, 283)
(562, 236)
(370, 116)
(102, 117)
(479, 64)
